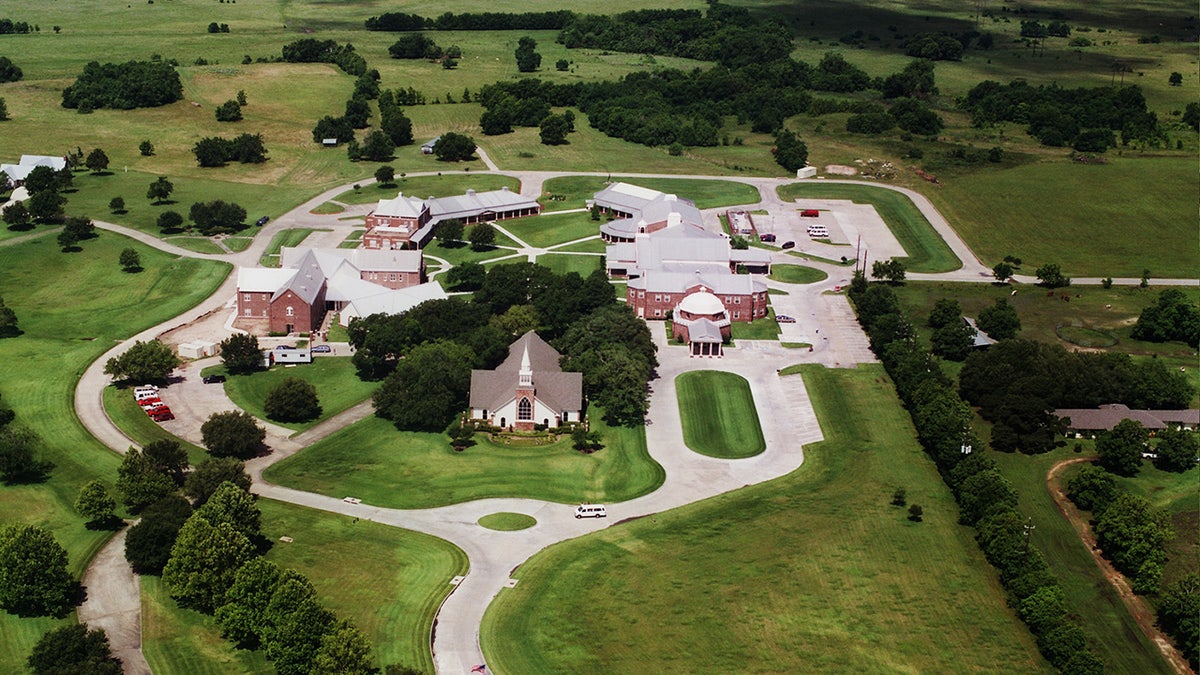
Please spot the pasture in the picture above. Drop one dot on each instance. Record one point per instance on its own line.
(718, 414)
(334, 377)
(68, 321)
(410, 470)
(812, 572)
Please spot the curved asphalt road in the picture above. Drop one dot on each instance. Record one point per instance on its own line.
(782, 403)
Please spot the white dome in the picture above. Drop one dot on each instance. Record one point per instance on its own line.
(701, 303)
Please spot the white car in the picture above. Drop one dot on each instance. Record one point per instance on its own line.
(352, 500)
(590, 511)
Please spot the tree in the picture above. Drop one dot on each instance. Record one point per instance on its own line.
(139, 481)
(1175, 80)
(1051, 276)
(385, 175)
(915, 512)
(217, 216)
(116, 205)
(1172, 317)
(17, 216)
(160, 190)
(1120, 449)
(482, 237)
(1177, 450)
(337, 128)
(892, 270)
(202, 482)
(146, 148)
(1179, 615)
(9, 72)
(553, 130)
(945, 311)
(34, 580)
(395, 124)
(1092, 489)
(1191, 115)
(73, 649)
(8, 326)
(899, 497)
(95, 504)
(378, 147)
(167, 457)
(170, 220)
(983, 494)
(1002, 272)
(468, 276)
(449, 232)
(4, 111)
(241, 97)
(344, 651)
(19, 461)
(148, 543)
(96, 161)
(561, 65)
(528, 60)
(241, 354)
(452, 147)
(954, 340)
(242, 617)
(149, 361)
(790, 152)
(130, 260)
(1132, 533)
(46, 206)
(42, 179)
(293, 400)
(210, 152)
(229, 111)
(233, 433)
(203, 563)
(1000, 320)
(75, 230)
(234, 506)
(428, 388)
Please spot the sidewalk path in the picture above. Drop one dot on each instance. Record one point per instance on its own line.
(114, 604)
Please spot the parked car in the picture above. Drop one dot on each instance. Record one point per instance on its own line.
(322, 349)
(352, 500)
(283, 347)
(162, 416)
(784, 318)
(788, 244)
(590, 511)
(767, 238)
(150, 402)
(214, 379)
(262, 221)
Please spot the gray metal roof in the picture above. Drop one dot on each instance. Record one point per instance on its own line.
(1108, 416)
(474, 203)
(655, 281)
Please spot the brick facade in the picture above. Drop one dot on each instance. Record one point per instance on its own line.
(394, 280)
(740, 307)
(289, 313)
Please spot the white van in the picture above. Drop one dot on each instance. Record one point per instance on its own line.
(590, 511)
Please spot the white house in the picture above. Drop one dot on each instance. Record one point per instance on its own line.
(529, 388)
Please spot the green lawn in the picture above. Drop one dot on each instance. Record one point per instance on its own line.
(1114, 219)
(507, 522)
(1090, 598)
(238, 244)
(334, 377)
(388, 581)
(759, 329)
(289, 237)
(458, 255)
(557, 228)
(797, 274)
(197, 244)
(327, 209)
(448, 185)
(406, 470)
(583, 264)
(69, 320)
(814, 572)
(596, 245)
(572, 192)
(926, 250)
(718, 414)
(133, 421)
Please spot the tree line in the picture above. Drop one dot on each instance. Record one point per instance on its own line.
(1171, 318)
(10, 27)
(400, 21)
(986, 500)
(134, 84)
(310, 50)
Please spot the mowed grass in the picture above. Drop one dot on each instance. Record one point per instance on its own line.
(289, 237)
(556, 228)
(572, 192)
(797, 274)
(927, 252)
(72, 308)
(813, 572)
(459, 253)
(408, 470)
(758, 329)
(448, 185)
(1090, 598)
(718, 414)
(507, 522)
(388, 581)
(334, 378)
(583, 265)
(1115, 219)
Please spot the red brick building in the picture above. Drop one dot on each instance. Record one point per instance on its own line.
(657, 295)
(408, 222)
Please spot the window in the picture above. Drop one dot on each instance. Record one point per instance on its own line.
(737, 315)
(249, 312)
(245, 297)
(658, 312)
(524, 410)
(391, 277)
(737, 300)
(291, 312)
(666, 298)
(641, 294)
(658, 298)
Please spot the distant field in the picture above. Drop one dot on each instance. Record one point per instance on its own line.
(69, 320)
(385, 467)
(574, 191)
(1094, 220)
(429, 186)
(813, 572)
(927, 252)
(718, 414)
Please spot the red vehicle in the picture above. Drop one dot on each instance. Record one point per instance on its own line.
(810, 213)
(162, 416)
(150, 402)
(153, 410)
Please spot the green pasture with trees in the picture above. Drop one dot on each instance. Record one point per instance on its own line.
(338, 388)
(867, 575)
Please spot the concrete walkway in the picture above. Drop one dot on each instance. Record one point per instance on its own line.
(114, 604)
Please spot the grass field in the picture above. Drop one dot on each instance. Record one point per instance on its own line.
(289, 237)
(556, 228)
(718, 414)
(457, 255)
(197, 244)
(596, 245)
(759, 329)
(403, 470)
(580, 264)
(571, 192)
(1086, 218)
(334, 377)
(797, 274)
(926, 250)
(429, 186)
(1091, 599)
(813, 572)
(68, 321)
(507, 522)
(388, 581)
(133, 421)
(237, 244)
